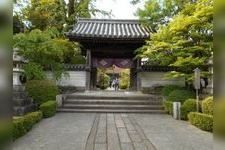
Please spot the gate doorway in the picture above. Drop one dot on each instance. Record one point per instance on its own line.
(113, 79)
(106, 42)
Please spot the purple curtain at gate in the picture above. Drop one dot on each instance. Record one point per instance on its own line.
(123, 63)
(102, 63)
(108, 62)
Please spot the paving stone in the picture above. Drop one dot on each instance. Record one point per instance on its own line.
(149, 145)
(112, 137)
(120, 124)
(80, 131)
(100, 147)
(139, 146)
(127, 146)
(135, 137)
(123, 135)
(130, 127)
(100, 139)
(126, 120)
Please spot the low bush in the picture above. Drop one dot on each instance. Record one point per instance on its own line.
(123, 85)
(18, 128)
(168, 106)
(34, 116)
(187, 107)
(48, 109)
(25, 123)
(202, 121)
(41, 90)
(166, 90)
(180, 96)
(207, 106)
(219, 119)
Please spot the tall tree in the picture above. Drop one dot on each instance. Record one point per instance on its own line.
(159, 12)
(186, 42)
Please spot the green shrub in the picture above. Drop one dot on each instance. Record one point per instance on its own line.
(18, 128)
(34, 116)
(25, 123)
(188, 106)
(219, 119)
(48, 109)
(180, 96)
(168, 106)
(123, 85)
(207, 106)
(41, 90)
(202, 121)
(166, 90)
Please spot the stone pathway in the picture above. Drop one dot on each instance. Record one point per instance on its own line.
(108, 131)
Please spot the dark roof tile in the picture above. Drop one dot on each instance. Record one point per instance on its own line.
(109, 28)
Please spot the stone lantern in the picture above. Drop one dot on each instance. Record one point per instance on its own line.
(17, 67)
(22, 103)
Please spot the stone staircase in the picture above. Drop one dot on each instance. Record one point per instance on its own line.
(112, 102)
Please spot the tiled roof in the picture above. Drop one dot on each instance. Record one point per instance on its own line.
(109, 29)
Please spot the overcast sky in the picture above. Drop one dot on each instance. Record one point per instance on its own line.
(121, 9)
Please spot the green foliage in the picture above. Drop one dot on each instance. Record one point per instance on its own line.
(34, 116)
(18, 128)
(60, 14)
(124, 78)
(103, 79)
(78, 60)
(40, 50)
(168, 106)
(180, 96)
(219, 119)
(25, 123)
(185, 42)
(158, 12)
(166, 90)
(202, 121)
(41, 90)
(207, 106)
(33, 71)
(48, 109)
(187, 107)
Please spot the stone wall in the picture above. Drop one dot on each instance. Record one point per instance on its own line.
(150, 79)
(75, 79)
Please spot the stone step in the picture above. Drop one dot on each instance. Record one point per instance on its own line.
(112, 101)
(108, 97)
(104, 106)
(109, 111)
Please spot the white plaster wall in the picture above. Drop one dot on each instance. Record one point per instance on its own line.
(149, 79)
(75, 78)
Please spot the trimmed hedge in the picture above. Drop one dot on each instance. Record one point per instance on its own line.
(180, 96)
(25, 123)
(168, 106)
(202, 121)
(207, 106)
(48, 109)
(41, 90)
(187, 107)
(219, 119)
(166, 90)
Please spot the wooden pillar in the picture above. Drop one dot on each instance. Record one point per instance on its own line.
(138, 69)
(88, 70)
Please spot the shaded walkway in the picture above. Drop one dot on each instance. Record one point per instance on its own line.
(80, 131)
